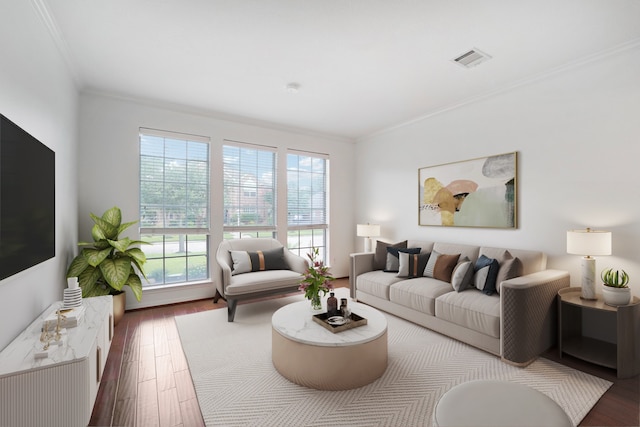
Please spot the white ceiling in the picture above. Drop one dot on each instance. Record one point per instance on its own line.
(362, 65)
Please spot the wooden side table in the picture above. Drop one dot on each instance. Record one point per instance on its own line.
(622, 354)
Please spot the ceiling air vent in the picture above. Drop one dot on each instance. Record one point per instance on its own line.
(472, 58)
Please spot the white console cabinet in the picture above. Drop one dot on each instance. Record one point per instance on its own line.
(59, 390)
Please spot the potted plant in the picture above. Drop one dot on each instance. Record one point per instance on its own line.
(107, 264)
(615, 287)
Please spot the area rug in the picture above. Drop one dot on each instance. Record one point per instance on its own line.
(237, 385)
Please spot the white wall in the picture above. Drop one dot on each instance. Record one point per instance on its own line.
(38, 94)
(109, 172)
(577, 138)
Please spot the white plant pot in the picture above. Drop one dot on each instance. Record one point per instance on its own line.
(616, 296)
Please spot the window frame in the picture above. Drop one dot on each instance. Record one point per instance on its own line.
(185, 236)
(315, 228)
(242, 191)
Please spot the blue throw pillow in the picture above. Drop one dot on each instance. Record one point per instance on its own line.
(486, 274)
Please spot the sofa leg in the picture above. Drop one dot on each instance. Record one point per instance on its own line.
(217, 297)
(231, 309)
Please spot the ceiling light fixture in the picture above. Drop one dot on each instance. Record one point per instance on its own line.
(293, 87)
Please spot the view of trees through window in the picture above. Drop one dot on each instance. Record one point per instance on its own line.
(307, 203)
(174, 206)
(249, 189)
(175, 194)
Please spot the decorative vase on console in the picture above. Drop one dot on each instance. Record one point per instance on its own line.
(316, 279)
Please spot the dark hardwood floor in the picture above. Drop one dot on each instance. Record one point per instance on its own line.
(147, 382)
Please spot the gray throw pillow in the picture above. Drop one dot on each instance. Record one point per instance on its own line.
(462, 275)
(380, 257)
(393, 259)
(509, 269)
(411, 265)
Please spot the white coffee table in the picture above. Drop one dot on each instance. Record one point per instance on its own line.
(306, 353)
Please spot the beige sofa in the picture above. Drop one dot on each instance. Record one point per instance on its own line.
(234, 286)
(518, 323)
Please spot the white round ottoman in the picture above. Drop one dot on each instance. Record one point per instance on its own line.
(497, 404)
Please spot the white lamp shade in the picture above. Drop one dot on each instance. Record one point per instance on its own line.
(589, 242)
(368, 230)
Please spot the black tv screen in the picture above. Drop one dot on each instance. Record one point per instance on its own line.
(27, 200)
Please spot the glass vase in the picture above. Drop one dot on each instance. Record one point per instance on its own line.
(316, 303)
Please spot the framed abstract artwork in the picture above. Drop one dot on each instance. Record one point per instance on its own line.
(472, 193)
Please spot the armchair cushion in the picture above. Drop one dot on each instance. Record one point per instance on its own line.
(246, 261)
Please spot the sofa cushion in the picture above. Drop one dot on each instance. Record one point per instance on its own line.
(259, 281)
(471, 309)
(376, 283)
(270, 259)
(468, 251)
(380, 257)
(393, 258)
(462, 275)
(532, 261)
(419, 294)
(412, 265)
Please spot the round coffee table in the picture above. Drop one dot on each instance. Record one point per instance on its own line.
(307, 354)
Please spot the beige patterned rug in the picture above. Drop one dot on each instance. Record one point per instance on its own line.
(236, 383)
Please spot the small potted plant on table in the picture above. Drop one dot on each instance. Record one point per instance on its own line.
(615, 287)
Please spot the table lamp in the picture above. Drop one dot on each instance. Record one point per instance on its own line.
(368, 231)
(588, 243)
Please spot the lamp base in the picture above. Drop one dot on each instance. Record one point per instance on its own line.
(588, 267)
(367, 244)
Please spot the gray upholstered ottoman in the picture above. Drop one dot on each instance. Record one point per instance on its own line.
(497, 404)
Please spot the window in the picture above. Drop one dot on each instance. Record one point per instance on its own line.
(249, 190)
(174, 206)
(307, 203)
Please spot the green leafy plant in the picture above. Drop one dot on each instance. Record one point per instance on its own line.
(107, 264)
(615, 278)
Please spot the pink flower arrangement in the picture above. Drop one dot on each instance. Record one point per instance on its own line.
(317, 278)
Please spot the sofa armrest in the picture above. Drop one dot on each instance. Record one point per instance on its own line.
(528, 318)
(361, 262)
(296, 262)
(222, 259)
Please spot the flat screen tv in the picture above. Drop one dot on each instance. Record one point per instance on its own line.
(27, 200)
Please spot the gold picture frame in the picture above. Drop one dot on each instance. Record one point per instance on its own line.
(479, 192)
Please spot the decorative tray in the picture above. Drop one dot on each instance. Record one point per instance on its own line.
(337, 323)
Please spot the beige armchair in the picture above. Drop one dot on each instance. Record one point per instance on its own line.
(255, 284)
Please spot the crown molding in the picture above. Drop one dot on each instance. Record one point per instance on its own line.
(621, 48)
(52, 28)
(215, 115)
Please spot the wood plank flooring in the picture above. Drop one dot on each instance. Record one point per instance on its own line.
(147, 382)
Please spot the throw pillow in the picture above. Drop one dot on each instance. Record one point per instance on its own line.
(428, 269)
(462, 275)
(486, 274)
(380, 257)
(440, 266)
(444, 267)
(393, 262)
(412, 265)
(245, 262)
(509, 269)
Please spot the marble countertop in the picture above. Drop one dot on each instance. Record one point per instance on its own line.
(19, 355)
(295, 322)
